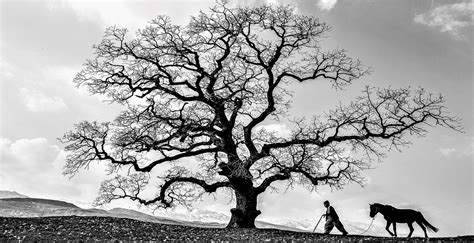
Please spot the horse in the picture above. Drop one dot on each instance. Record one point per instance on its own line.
(395, 215)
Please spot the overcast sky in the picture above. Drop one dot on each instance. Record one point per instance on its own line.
(407, 43)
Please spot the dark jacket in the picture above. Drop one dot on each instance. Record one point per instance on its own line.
(331, 213)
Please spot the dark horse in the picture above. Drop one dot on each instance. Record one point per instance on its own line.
(395, 215)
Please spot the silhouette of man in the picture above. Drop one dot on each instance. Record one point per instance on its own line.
(332, 219)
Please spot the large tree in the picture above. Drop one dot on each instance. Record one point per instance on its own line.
(196, 100)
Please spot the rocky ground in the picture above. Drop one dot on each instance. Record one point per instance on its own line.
(82, 229)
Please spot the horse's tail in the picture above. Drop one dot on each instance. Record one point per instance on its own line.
(427, 224)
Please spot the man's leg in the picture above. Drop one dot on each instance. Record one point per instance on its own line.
(328, 226)
(340, 227)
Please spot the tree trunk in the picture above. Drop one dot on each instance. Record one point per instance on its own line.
(245, 213)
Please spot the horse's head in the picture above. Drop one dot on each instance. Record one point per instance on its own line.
(374, 209)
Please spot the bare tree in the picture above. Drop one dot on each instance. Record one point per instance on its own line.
(198, 95)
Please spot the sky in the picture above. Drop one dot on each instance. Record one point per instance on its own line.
(412, 43)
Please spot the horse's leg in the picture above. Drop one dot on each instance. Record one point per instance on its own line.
(422, 227)
(410, 225)
(388, 227)
(395, 228)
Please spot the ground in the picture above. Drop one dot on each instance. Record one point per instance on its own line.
(80, 228)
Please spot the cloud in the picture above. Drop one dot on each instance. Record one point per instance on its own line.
(326, 4)
(116, 14)
(27, 155)
(447, 151)
(35, 35)
(6, 69)
(28, 166)
(449, 18)
(129, 14)
(36, 101)
(33, 166)
(61, 73)
(461, 151)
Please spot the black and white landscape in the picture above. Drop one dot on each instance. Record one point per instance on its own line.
(13, 204)
(236, 116)
(25, 218)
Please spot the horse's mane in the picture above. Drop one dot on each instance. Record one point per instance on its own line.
(385, 205)
(389, 206)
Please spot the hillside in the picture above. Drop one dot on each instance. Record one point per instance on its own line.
(81, 228)
(37, 207)
(11, 194)
(24, 207)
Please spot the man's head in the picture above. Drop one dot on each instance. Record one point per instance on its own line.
(326, 203)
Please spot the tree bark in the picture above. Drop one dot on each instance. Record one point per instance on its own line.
(245, 212)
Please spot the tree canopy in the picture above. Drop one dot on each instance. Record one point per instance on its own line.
(196, 99)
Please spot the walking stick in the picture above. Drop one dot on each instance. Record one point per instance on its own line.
(318, 223)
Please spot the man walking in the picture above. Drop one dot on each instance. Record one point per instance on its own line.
(332, 219)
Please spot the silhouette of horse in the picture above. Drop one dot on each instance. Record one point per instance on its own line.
(395, 215)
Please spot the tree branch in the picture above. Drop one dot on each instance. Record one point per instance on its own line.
(129, 187)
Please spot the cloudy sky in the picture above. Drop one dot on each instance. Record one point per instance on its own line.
(407, 43)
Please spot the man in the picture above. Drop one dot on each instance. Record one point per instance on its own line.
(332, 219)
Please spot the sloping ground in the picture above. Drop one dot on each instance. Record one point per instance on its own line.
(11, 194)
(50, 202)
(37, 207)
(81, 228)
(13, 204)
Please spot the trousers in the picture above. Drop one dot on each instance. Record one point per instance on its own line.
(330, 223)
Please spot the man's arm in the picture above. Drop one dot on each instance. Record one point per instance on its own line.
(328, 212)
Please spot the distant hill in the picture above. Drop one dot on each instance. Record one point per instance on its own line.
(38, 207)
(132, 214)
(22, 206)
(54, 203)
(11, 194)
